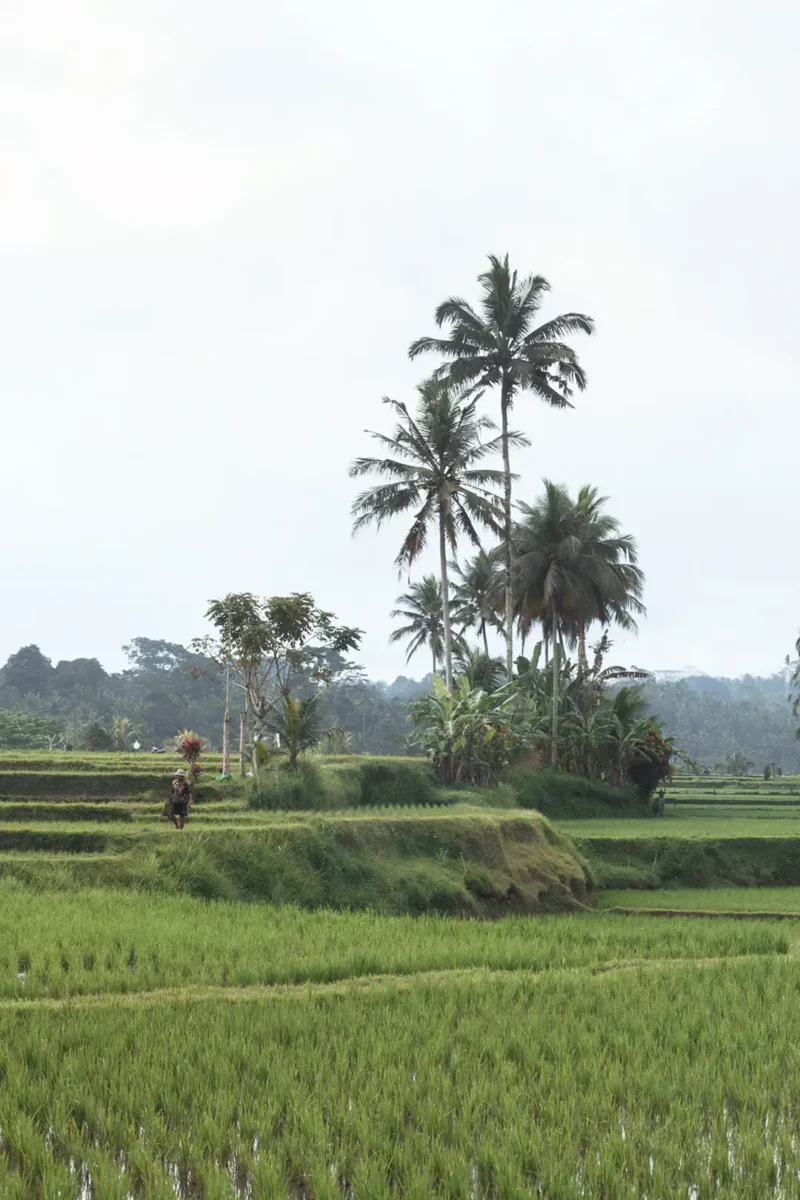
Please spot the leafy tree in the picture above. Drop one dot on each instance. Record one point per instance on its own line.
(605, 729)
(27, 731)
(28, 672)
(736, 764)
(422, 611)
(267, 643)
(611, 579)
(498, 346)
(79, 676)
(95, 737)
(469, 734)
(478, 581)
(434, 464)
(545, 581)
(122, 729)
(336, 740)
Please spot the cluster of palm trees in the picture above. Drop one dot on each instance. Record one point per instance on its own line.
(559, 563)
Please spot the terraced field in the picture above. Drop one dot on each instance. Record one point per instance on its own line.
(161, 1038)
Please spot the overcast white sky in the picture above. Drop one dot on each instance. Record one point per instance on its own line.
(222, 225)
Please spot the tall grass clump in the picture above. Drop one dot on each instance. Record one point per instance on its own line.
(395, 784)
(558, 794)
(299, 787)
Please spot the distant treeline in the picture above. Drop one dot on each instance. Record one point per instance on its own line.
(713, 718)
(166, 688)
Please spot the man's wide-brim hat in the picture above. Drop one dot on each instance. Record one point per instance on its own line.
(180, 774)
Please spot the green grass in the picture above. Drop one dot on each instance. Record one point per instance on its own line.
(474, 862)
(752, 899)
(684, 827)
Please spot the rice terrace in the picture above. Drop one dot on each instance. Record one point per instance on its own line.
(377, 1035)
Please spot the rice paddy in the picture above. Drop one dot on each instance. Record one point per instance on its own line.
(156, 1044)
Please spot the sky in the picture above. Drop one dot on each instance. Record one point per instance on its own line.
(222, 225)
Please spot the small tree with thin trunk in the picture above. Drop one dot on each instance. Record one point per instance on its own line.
(269, 641)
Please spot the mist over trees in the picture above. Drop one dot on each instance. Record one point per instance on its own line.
(165, 688)
(712, 718)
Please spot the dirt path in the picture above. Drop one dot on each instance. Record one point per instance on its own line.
(362, 983)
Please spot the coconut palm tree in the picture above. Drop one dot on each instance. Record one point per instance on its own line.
(435, 470)
(121, 730)
(481, 670)
(607, 563)
(422, 610)
(474, 592)
(498, 346)
(545, 582)
(572, 567)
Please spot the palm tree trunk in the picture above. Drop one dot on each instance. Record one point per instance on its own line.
(556, 664)
(504, 398)
(448, 642)
(226, 724)
(583, 663)
(485, 638)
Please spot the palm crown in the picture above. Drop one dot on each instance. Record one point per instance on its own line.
(421, 609)
(572, 567)
(474, 593)
(499, 346)
(435, 465)
(572, 552)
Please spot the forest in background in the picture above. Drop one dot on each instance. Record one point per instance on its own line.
(166, 688)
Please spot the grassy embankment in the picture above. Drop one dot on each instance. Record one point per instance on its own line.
(715, 832)
(358, 833)
(380, 833)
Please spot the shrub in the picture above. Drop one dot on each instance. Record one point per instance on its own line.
(558, 794)
(395, 783)
(299, 787)
(95, 737)
(27, 731)
(470, 734)
(650, 765)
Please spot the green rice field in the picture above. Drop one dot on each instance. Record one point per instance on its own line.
(396, 999)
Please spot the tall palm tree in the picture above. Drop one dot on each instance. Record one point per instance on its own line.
(498, 346)
(435, 467)
(545, 583)
(573, 567)
(608, 565)
(474, 591)
(422, 610)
